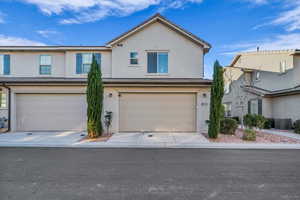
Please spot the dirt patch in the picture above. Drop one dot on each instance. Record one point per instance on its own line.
(103, 138)
(260, 138)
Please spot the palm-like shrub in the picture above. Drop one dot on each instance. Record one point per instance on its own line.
(94, 101)
(217, 92)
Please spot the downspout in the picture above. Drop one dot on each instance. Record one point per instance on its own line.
(9, 107)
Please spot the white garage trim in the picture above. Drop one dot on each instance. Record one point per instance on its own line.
(157, 112)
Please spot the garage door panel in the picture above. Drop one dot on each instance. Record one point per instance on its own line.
(157, 112)
(37, 112)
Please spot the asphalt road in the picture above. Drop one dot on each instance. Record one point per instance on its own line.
(138, 174)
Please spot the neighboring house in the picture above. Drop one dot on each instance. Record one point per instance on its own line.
(152, 74)
(264, 82)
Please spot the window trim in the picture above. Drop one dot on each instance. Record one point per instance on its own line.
(6, 99)
(251, 105)
(130, 58)
(157, 62)
(40, 65)
(83, 63)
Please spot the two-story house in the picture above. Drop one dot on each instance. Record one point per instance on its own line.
(266, 83)
(152, 74)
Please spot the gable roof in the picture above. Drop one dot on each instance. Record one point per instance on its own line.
(159, 18)
(265, 52)
(276, 93)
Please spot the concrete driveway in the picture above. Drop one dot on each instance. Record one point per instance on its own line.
(73, 139)
(43, 139)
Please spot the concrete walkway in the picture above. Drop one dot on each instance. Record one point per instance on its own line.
(125, 140)
(282, 133)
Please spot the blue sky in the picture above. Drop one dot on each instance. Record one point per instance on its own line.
(230, 26)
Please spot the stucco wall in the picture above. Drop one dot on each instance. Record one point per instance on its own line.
(268, 60)
(185, 57)
(286, 107)
(238, 98)
(26, 64)
(71, 64)
(111, 103)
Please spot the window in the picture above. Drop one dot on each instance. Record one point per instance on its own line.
(3, 99)
(227, 109)
(157, 62)
(4, 64)
(257, 75)
(255, 106)
(134, 58)
(84, 62)
(282, 66)
(87, 59)
(45, 64)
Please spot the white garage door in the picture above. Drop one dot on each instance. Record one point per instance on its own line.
(50, 112)
(158, 112)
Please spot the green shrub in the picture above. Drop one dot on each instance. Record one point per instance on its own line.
(249, 135)
(259, 121)
(270, 123)
(228, 126)
(237, 119)
(249, 120)
(297, 126)
(253, 120)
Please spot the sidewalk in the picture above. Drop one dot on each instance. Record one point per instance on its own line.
(71, 139)
(282, 133)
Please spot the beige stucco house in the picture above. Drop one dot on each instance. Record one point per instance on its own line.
(264, 82)
(152, 74)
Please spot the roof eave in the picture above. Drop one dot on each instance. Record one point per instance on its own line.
(153, 19)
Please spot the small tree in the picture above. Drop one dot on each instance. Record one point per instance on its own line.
(94, 101)
(217, 92)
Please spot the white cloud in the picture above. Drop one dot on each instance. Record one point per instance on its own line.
(279, 42)
(259, 2)
(17, 41)
(290, 17)
(46, 33)
(93, 10)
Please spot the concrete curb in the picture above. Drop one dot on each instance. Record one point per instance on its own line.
(164, 146)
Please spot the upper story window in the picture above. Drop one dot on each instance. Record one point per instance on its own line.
(4, 64)
(283, 66)
(157, 62)
(3, 99)
(87, 59)
(45, 64)
(84, 62)
(134, 58)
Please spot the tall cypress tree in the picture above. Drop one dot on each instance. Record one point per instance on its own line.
(217, 93)
(94, 100)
